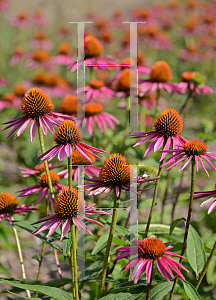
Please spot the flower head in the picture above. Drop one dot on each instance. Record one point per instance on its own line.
(68, 136)
(160, 76)
(114, 174)
(168, 126)
(94, 112)
(69, 105)
(36, 107)
(96, 90)
(43, 186)
(196, 150)
(148, 251)
(69, 207)
(93, 55)
(9, 206)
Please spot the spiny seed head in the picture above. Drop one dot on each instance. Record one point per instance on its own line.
(8, 97)
(161, 72)
(7, 202)
(188, 76)
(64, 48)
(115, 171)
(54, 179)
(79, 159)
(69, 204)
(93, 47)
(40, 55)
(36, 103)
(19, 90)
(93, 109)
(169, 123)
(67, 133)
(69, 105)
(96, 84)
(153, 248)
(40, 168)
(195, 148)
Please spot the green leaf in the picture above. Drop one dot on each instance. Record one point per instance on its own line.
(36, 257)
(101, 243)
(53, 292)
(174, 224)
(195, 251)
(123, 231)
(158, 292)
(208, 250)
(132, 295)
(23, 297)
(157, 229)
(66, 244)
(190, 291)
(30, 228)
(119, 242)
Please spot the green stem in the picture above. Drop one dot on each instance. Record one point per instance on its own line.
(154, 200)
(177, 195)
(193, 176)
(149, 289)
(109, 242)
(206, 266)
(20, 257)
(74, 258)
(40, 133)
(40, 262)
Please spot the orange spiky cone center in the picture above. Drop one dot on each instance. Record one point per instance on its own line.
(195, 148)
(55, 179)
(7, 202)
(93, 47)
(67, 133)
(161, 72)
(153, 248)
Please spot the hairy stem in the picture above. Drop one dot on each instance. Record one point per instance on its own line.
(165, 194)
(40, 262)
(20, 257)
(193, 176)
(109, 242)
(149, 289)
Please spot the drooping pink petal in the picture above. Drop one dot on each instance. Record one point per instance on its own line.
(68, 150)
(54, 227)
(150, 147)
(33, 129)
(149, 270)
(48, 124)
(145, 139)
(83, 153)
(212, 207)
(46, 225)
(22, 128)
(203, 167)
(61, 153)
(208, 162)
(185, 164)
(159, 143)
(161, 269)
(207, 201)
(65, 228)
(166, 147)
(43, 126)
(41, 195)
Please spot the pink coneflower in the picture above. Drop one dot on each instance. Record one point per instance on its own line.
(190, 150)
(8, 100)
(17, 56)
(39, 58)
(69, 105)
(3, 81)
(69, 207)
(3, 5)
(199, 195)
(21, 20)
(94, 113)
(114, 174)
(96, 91)
(93, 55)
(189, 81)
(36, 107)
(68, 136)
(160, 76)
(150, 250)
(39, 18)
(9, 206)
(64, 55)
(168, 126)
(40, 41)
(38, 169)
(44, 186)
(79, 160)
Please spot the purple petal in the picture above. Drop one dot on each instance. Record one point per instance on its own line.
(65, 228)
(54, 227)
(41, 195)
(33, 130)
(42, 125)
(68, 150)
(61, 153)
(203, 167)
(23, 127)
